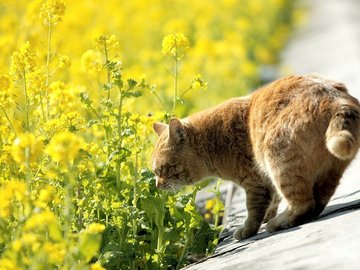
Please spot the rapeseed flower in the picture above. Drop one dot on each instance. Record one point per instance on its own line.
(52, 11)
(64, 147)
(13, 190)
(55, 252)
(198, 82)
(91, 62)
(22, 61)
(104, 43)
(5, 92)
(96, 266)
(8, 264)
(40, 220)
(175, 45)
(95, 228)
(26, 148)
(64, 61)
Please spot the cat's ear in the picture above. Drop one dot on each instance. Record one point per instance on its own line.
(159, 128)
(177, 132)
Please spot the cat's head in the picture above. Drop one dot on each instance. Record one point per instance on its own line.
(174, 161)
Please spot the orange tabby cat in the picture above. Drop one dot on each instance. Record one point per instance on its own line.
(294, 137)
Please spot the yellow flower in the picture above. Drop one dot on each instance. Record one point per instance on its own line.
(46, 195)
(64, 146)
(12, 190)
(175, 45)
(8, 264)
(64, 61)
(105, 42)
(198, 82)
(96, 266)
(91, 62)
(17, 245)
(35, 82)
(55, 252)
(26, 148)
(95, 228)
(5, 94)
(22, 61)
(52, 11)
(4, 83)
(209, 204)
(40, 220)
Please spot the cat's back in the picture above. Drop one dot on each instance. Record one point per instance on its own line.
(290, 117)
(295, 101)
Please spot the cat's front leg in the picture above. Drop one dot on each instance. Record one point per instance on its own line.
(257, 202)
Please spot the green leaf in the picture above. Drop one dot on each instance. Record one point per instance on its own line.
(118, 81)
(203, 236)
(131, 84)
(84, 97)
(134, 94)
(107, 86)
(92, 122)
(154, 208)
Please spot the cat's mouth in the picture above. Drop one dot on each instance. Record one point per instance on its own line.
(167, 185)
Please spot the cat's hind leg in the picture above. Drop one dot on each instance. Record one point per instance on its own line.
(273, 207)
(296, 187)
(258, 199)
(325, 185)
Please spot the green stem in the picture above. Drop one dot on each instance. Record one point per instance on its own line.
(8, 119)
(187, 90)
(119, 130)
(27, 125)
(95, 112)
(107, 69)
(185, 250)
(218, 195)
(160, 241)
(159, 99)
(47, 70)
(135, 199)
(108, 76)
(79, 195)
(175, 84)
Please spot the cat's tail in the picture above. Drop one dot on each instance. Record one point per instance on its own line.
(343, 133)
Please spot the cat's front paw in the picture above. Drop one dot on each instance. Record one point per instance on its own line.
(244, 232)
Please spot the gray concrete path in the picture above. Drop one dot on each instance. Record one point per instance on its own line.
(329, 44)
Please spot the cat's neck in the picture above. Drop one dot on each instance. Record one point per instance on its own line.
(220, 138)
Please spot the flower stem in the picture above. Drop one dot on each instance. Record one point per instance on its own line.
(7, 117)
(47, 70)
(159, 99)
(175, 83)
(119, 131)
(107, 69)
(27, 125)
(184, 251)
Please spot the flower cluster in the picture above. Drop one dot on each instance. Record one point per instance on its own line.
(64, 147)
(22, 61)
(27, 148)
(52, 11)
(175, 45)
